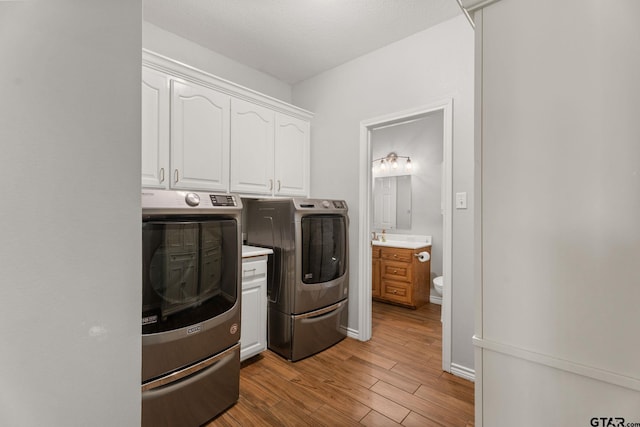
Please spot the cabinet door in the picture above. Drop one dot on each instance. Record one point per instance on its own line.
(291, 156)
(397, 254)
(252, 136)
(396, 270)
(375, 277)
(199, 137)
(253, 336)
(398, 292)
(155, 129)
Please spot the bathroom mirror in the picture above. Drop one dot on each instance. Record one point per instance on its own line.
(392, 202)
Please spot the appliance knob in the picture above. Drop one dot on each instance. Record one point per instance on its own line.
(192, 199)
(326, 204)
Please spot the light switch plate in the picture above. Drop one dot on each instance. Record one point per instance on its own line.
(461, 200)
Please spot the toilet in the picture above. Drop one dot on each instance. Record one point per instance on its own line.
(437, 284)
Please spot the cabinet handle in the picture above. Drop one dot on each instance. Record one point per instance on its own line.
(270, 184)
(278, 186)
(395, 271)
(395, 291)
(161, 175)
(395, 255)
(176, 175)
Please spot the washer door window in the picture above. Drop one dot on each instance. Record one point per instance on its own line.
(189, 272)
(324, 248)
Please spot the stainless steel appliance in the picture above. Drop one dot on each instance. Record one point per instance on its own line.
(191, 257)
(308, 274)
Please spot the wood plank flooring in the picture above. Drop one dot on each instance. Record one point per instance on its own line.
(394, 379)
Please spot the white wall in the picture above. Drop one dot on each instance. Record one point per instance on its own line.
(561, 203)
(70, 254)
(422, 69)
(195, 55)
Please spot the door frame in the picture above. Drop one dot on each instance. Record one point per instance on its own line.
(364, 291)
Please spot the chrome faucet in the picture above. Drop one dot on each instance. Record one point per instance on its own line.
(374, 236)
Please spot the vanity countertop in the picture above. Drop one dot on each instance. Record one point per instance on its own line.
(407, 241)
(251, 251)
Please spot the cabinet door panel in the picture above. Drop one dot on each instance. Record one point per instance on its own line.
(395, 270)
(397, 254)
(253, 336)
(252, 138)
(200, 137)
(155, 129)
(291, 156)
(375, 277)
(397, 292)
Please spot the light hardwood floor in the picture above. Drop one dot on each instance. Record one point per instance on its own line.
(393, 379)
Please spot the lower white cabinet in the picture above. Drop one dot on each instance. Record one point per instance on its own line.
(253, 334)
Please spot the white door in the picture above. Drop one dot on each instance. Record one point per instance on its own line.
(155, 129)
(384, 203)
(199, 137)
(291, 156)
(252, 138)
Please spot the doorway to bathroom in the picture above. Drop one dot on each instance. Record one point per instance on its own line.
(400, 161)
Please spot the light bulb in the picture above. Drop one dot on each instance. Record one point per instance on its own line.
(394, 164)
(383, 165)
(408, 165)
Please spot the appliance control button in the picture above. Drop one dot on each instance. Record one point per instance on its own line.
(192, 199)
(326, 204)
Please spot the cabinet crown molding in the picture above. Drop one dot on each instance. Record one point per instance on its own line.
(186, 72)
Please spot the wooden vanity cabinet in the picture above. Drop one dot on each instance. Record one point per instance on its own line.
(403, 279)
(375, 272)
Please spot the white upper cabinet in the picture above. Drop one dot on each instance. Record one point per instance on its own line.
(291, 156)
(155, 129)
(269, 151)
(252, 139)
(199, 137)
(200, 132)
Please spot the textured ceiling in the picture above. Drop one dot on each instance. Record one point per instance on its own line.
(294, 40)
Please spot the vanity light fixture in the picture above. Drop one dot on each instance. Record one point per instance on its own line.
(392, 159)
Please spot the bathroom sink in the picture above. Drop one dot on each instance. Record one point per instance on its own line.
(407, 241)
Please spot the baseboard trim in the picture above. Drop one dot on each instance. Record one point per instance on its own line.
(463, 372)
(353, 333)
(435, 300)
(561, 364)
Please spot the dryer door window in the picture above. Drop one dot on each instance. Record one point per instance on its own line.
(189, 272)
(324, 248)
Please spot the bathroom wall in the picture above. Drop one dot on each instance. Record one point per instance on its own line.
(422, 141)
